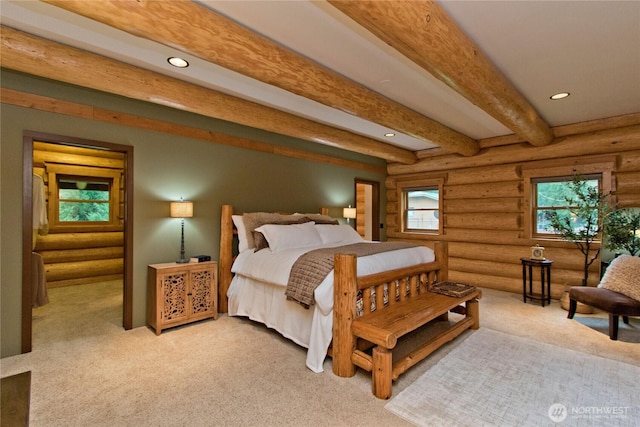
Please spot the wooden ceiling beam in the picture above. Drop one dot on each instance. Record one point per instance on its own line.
(34, 55)
(217, 39)
(88, 112)
(422, 31)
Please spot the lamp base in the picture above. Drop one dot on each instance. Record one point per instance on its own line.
(182, 261)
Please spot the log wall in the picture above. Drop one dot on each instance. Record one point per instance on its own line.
(484, 205)
(80, 257)
(361, 202)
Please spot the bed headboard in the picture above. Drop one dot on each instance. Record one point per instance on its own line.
(227, 255)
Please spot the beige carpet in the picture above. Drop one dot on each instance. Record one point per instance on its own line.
(497, 379)
(86, 370)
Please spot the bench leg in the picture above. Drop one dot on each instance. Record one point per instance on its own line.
(613, 326)
(473, 311)
(381, 373)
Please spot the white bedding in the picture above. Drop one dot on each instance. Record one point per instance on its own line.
(257, 291)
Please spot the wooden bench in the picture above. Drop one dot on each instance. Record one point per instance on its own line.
(384, 327)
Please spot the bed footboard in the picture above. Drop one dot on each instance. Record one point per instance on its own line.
(398, 285)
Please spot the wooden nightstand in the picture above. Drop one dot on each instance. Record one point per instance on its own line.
(181, 293)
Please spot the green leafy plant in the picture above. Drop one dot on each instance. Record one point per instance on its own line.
(83, 205)
(583, 221)
(622, 231)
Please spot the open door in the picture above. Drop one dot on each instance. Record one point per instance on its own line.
(368, 209)
(123, 215)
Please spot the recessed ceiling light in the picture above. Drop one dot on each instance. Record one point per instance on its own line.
(560, 95)
(389, 134)
(178, 62)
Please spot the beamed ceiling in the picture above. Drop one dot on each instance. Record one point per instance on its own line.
(442, 76)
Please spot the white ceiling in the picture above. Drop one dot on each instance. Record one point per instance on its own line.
(588, 48)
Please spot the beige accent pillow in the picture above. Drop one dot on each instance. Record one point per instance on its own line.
(623, 276)
(253, 220)
(322, 219)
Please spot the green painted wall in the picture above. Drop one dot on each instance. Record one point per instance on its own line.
(165, 168)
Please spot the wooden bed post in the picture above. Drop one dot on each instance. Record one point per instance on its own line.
(226, 256)
(344, 312)
(441, 250)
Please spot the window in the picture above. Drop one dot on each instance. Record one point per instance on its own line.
(421, 206)
(546, 182)
(551, 194)
(83, 199)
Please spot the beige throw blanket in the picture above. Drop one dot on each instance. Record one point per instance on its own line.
(311, 268)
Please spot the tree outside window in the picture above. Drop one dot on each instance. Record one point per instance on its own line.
(556, 197)
(83, 200)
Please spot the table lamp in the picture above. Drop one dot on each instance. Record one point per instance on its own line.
(349, 213)
(182, 210)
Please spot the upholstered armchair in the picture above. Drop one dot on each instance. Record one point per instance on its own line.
(617, 294)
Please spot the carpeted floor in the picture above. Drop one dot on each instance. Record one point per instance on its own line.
(86, 370)
(497, 379)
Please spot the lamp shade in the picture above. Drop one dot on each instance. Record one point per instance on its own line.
(181, 209)
(349, 213)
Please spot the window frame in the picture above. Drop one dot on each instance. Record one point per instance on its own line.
(602, 167)
(403, 188)
(114, 177)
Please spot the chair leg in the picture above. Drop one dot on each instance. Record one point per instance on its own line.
(573, 304)
(613, 326)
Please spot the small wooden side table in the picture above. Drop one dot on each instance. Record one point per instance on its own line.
(545, 279)
(178, 294)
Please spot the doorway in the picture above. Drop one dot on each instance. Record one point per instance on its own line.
(123, 214)
(368, 208)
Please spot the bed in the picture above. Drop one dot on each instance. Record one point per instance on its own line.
(253, 279)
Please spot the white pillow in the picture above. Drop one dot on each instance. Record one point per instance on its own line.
(623, 276)
(243, 243)
(344, 234)
(281, 237)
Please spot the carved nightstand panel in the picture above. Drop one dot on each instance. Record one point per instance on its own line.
(181, 293)
(201, 293)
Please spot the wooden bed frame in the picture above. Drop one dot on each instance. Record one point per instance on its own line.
(346, 346)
